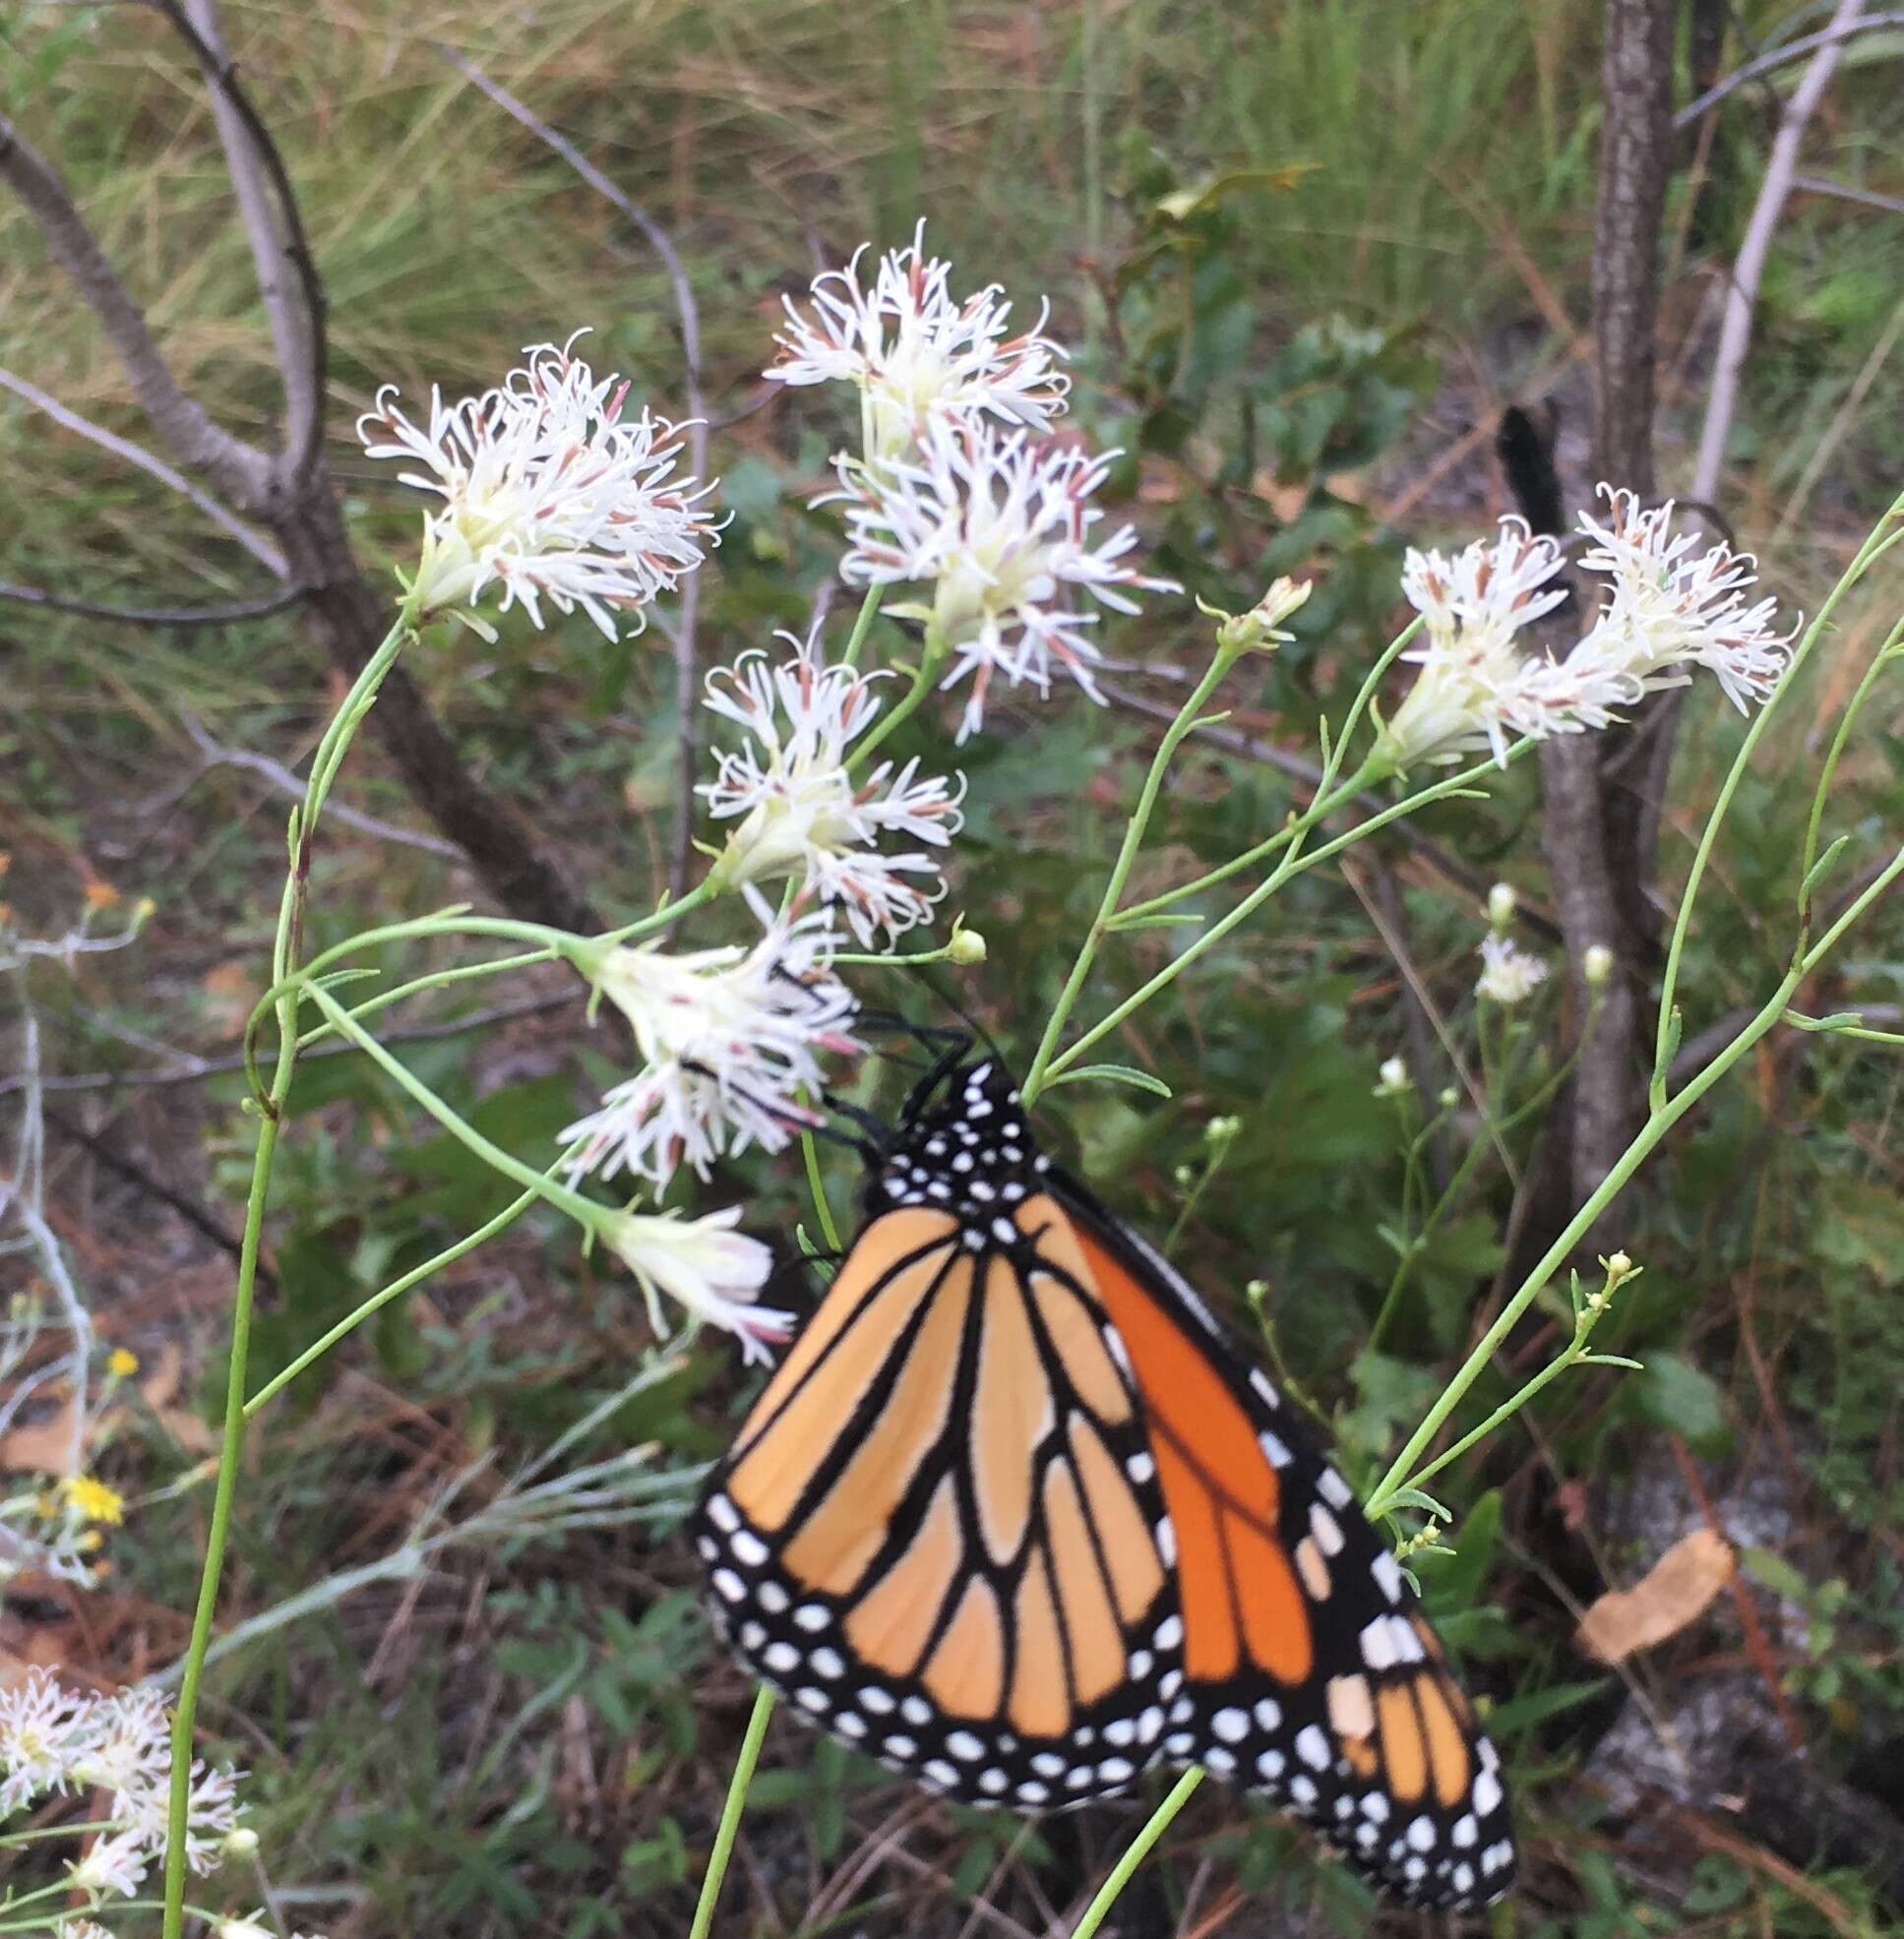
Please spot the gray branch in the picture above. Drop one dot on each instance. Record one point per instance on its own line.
(256, 543)
(239, 469)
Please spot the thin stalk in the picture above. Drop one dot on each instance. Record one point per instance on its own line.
(1134, 834)
(585, 1211)
(1323, 803)
(1136, 1854)
(1291, 866)
(869, 611)
(436, 980)
(286, 947)
(1828, 772)
(1659, 1121)
(923, 676)
(730, 1813)
(380, 1300)
(1868, 554)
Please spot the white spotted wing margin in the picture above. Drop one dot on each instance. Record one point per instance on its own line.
(1376, 1747)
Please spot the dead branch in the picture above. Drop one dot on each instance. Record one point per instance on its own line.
(254, 542)
(260, 180)
(240, 471)
(1792, 50)
(231, 614)
(291, 491)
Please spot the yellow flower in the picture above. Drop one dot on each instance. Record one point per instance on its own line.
(122, 1363)
(93, 1501)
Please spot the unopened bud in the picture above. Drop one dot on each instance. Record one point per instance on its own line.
(1501, 905)
(1596, 965)
(1449, 1098)
(239, 1843)
(965, 948)
(1221, 1130)
(1260, 629)
(1395, 1081)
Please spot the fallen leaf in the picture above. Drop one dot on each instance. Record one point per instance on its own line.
(227, 995)
(42, 1447)
(159, 1387)
(1673, 1593)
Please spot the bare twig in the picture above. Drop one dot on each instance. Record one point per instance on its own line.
(683, 630)
(233, 613)
(259, 178)
(1792, 50)
(1734, 331)
(256, 543)
(292, 788)
(197, 1069)
(239, 469)
(1891, 204)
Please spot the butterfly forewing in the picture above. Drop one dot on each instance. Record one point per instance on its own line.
(1010, 1517)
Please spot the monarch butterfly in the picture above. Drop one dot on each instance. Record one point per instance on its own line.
(1010, 1518)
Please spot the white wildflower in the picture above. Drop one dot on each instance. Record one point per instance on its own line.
(1000, 530)
(114, 1864)
(1671, 606)
(211, 1813)
(548, 492)
(45, 1732)
(713, 1270)
(252, 1927)
(1477, 690)
(80, 1928)
(916, 354)
(131, 1745)
(806, 817)
(729, 1037)
(1509, 974)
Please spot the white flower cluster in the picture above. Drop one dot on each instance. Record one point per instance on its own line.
(54, 1741)
(806, 818)
(1000, 530)
(729, 1040)
(918, 356)
(1509, 974)
(1668, 607)
(549, 492)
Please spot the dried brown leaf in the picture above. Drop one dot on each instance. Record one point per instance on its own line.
(1675, 1591)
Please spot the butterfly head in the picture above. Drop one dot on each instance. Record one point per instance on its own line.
(963, 1147)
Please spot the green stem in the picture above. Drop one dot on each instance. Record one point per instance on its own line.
(1660, 1121)
(923, 676)
(730, 1813)
(1134, 834)
(1135, 1855)
(377, 1300)
(585, 1211)
(869, 611)
(1867, 555)
(436, 980)
(810, 1150)
(1291, 866)
(286, 949)
(1323, 803)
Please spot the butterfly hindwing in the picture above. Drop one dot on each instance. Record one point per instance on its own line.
(1010, 1517)
(1313, 1675)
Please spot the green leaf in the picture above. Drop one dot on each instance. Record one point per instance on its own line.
(1113, 1073)
(1819, 870)
(1777, 1574)
(1519, 1714)
(1674, 1394)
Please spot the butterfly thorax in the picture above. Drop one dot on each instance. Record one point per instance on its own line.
(966, 1151)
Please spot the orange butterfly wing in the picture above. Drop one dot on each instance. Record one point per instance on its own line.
(1010, 1518)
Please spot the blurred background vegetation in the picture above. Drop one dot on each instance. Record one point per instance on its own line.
(1306, 253)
